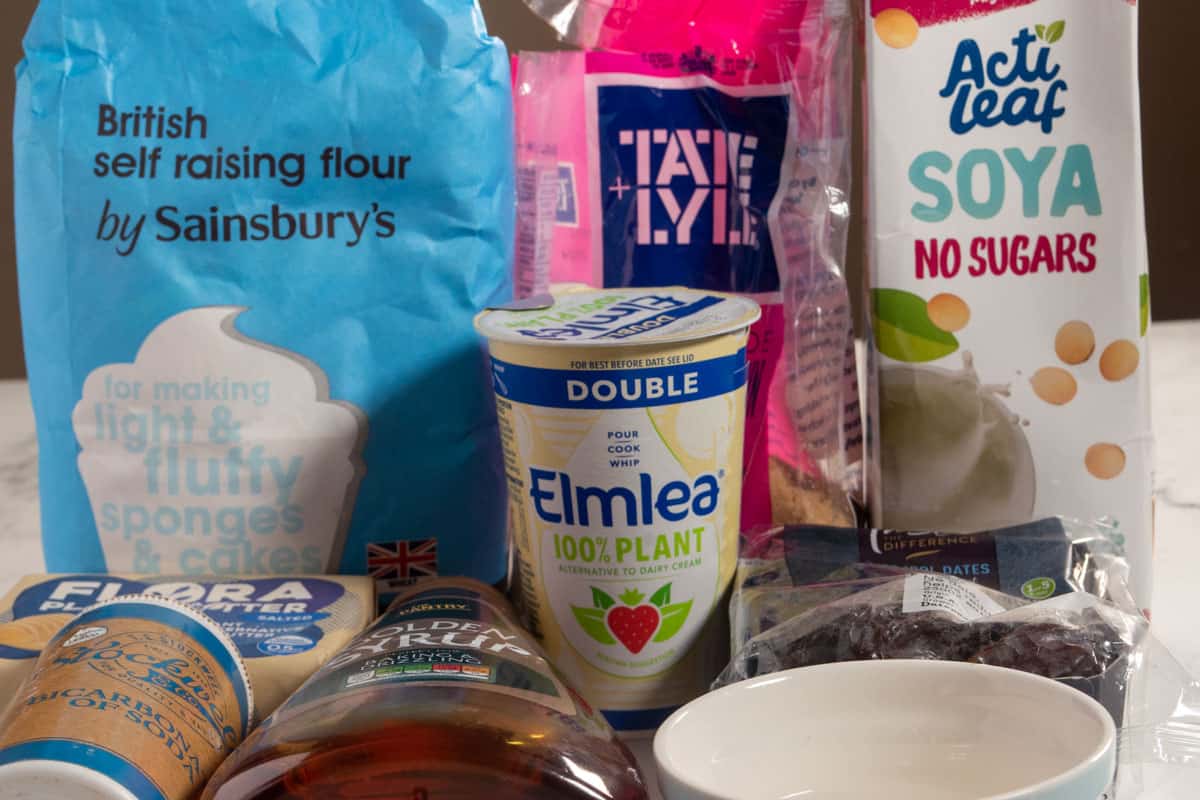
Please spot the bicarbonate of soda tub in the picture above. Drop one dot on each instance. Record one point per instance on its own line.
(1010, 288)
(621, 413)
(140, 697)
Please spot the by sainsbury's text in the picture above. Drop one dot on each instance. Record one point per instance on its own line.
(171, 148)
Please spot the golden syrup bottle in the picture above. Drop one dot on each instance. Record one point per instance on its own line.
(444, 697)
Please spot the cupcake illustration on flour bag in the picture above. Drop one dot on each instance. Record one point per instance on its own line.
(248, 302)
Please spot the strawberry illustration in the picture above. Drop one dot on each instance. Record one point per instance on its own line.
(633, 624)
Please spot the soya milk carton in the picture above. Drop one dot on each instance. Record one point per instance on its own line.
(1009, 287)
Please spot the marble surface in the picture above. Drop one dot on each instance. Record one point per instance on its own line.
(1175, 370)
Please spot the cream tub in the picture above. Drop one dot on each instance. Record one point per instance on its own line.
(622, 413)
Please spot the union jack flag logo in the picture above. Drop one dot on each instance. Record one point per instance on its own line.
(395, 565)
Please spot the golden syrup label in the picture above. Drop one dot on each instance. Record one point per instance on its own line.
(443, 636)
(622, 418)
(142, 692)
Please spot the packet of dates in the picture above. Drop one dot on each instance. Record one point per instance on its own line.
(1049, 598)
(785, 571)
(706, 144)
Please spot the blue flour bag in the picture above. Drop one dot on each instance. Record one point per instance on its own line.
(252, 235)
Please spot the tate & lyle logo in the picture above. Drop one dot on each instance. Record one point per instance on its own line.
(689, 180)
(1008, 87)
(715, 166)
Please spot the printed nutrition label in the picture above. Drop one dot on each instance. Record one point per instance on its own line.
(932, 592)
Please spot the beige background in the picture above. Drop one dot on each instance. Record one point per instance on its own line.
(1171, 114)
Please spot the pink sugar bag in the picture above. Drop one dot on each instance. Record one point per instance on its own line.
(706, 143)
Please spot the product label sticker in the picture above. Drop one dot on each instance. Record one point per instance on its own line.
(263, 616)
(1036, 560)
(930, 592)
(447, 637)
(566, 210)
(630, 541)
(1071, 603)
(626, 317)
(971, 556)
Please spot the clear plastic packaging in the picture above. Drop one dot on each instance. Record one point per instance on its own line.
(785, 571)
(1092, 637)
(931, 616)
(1159, 744)
(707, 144)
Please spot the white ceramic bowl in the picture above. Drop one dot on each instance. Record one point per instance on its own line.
(889, 730)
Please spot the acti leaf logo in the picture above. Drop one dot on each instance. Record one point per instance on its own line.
(631, 622)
